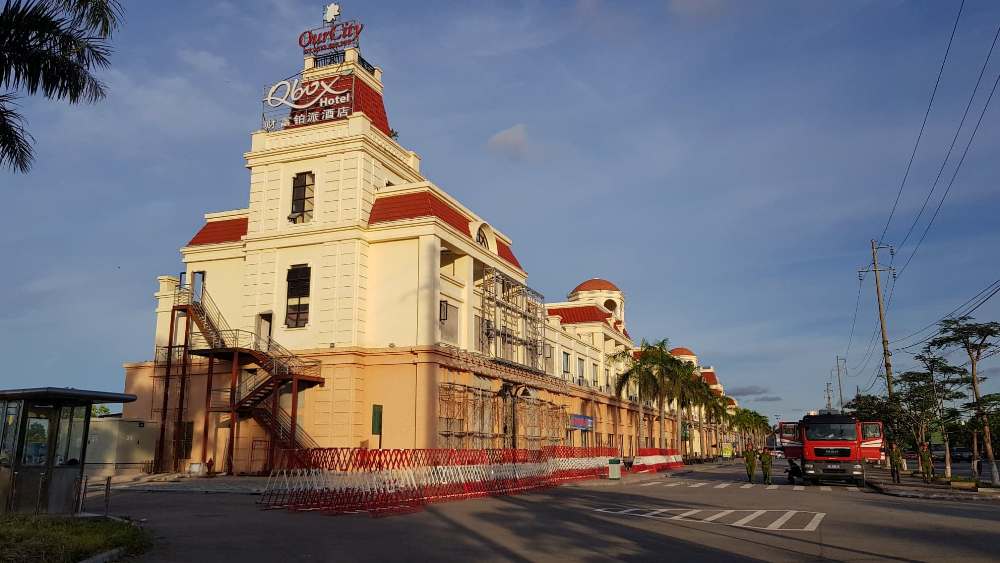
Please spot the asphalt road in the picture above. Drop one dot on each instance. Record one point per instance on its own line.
(708, 514)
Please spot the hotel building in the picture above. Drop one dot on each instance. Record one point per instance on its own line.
(405, 319)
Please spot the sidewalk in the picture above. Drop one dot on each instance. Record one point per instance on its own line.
(914, 487)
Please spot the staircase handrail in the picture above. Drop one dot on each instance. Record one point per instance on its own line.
(302, 439)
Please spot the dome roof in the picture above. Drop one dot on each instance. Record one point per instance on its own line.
(595, 284)
(681, 351)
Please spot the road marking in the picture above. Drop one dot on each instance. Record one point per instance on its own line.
(684, 515)
(747, 486)
(852, 488)
(777, 524)
(722, 485)
(671, 484)
(697, 485)
(742, 521)
(771, 487)
(651, 483)
(825, 488)
(717, 516)
(798, 488)
(814, 523)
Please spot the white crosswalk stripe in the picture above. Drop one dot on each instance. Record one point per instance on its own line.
(852, 488)
(696, 485)
(798, 488)
(825, 488)
(722, 485)
(746, 519)
(771, 487)
(747, 486)
(777, 524)
(684, 515)
(764, 519)
(717, 516)
(672, 484)
(651, 483)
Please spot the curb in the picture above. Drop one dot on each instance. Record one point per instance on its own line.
(110, 555)
(961, 497)
(188, 491)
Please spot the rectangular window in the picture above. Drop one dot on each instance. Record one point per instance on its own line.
(449, 324)
(593, 375)
(565, 363)
(303, 187)
(607, 377)
(580, 374)
(36, 439)
(550, 363)
(297, 308)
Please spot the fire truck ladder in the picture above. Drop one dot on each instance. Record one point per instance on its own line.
(260, 368)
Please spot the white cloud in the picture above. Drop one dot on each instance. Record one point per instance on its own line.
(512, 142)
(203, 60)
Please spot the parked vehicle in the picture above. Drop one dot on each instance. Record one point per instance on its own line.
(830, 446)
(961, 454)
(937, 452)
(910, 455)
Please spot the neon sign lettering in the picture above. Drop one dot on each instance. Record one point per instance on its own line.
(332, 38)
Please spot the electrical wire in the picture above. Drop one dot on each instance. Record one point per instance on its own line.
(923, 124)
(958, 167)
(954, 313)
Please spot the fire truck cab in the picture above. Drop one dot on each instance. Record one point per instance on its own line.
(829, 446)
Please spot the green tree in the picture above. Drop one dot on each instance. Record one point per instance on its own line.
(639, 375)
(100, 410)
(50, 47)
(977, 340)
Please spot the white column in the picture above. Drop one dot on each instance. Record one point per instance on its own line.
(465, 269)
(428, 280)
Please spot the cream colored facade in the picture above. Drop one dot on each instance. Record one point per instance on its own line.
(396, 301)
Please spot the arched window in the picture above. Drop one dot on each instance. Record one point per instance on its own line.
(482, 239)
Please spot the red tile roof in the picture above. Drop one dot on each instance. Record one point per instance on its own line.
(681, 351)
(368, 100)
(229, 230)
(709, 377)
(410, 206)
(427, 204)
(507, 254)
(595, 284)
(580, 314)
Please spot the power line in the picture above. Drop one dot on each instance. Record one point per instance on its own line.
(923, 124)
(954, 139)
(953, 312)
(857, 303)
(958, 166)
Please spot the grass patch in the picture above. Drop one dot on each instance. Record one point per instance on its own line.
(54, 539)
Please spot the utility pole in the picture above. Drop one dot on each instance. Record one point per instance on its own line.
(840, 384)
(886, 354)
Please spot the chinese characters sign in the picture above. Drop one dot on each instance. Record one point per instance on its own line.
(290, 103)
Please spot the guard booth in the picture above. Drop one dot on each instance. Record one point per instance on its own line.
(43, 444)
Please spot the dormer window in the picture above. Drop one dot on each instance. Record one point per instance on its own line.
(482, 239)
(303, 188)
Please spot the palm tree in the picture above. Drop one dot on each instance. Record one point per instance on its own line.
(678, 377)
(716, 412)
(639, 374)
(52, 47)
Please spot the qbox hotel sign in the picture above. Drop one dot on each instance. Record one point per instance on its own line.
(308, 102)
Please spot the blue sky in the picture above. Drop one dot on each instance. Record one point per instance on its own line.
(725, 163)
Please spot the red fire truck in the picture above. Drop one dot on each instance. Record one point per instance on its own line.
(830, 445)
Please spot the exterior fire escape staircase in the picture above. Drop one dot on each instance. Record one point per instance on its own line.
(260, 368)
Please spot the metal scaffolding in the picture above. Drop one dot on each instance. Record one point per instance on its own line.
(513, 325)
(473, 417)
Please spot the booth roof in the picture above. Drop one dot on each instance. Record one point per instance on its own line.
(66, 393)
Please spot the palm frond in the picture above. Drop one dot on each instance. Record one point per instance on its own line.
(41, 50)
(100, 16)
(15, 141)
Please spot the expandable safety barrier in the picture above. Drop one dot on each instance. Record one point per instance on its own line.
(341, 480)
(656, 459)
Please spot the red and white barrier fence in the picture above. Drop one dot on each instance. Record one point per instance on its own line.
(656, 459)
(340, 480)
